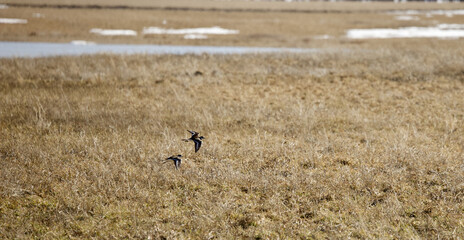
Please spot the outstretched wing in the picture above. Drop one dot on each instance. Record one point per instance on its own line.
(197, 144)
(167, 160)
(177, 164)
(194, 134)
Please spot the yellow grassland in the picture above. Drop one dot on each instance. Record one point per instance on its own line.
(364, 139)
(362, 144)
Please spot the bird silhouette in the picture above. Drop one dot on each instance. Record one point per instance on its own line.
(176, 159)
(196, 139)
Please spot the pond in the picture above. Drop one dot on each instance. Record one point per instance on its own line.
(39, 49)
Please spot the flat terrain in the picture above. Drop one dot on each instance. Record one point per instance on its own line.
(264, 24)
(364, 139)
(239, 5)
(359, 144)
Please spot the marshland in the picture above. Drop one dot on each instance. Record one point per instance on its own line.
(360, 139)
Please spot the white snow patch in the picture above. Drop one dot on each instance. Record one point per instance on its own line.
(450, 26)
(211, 30)
(439, 31)
(429, 13)
(164, 22)
(195, 36)
(447, 12)
(323, 37)
(81, 42)
(38, 15)
(13, 20)
(113, 32)
(406, 18)
(406, 12)
(3, 6)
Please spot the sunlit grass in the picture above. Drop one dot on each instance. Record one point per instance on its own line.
(362, 144)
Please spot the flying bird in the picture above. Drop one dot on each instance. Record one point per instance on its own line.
(196, 139)
(177, 160)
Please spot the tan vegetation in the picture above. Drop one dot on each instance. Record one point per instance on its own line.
(361, 144)
(361, 140)
(277, 29)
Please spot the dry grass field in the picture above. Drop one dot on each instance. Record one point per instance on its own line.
(365, 144)
(363, 139)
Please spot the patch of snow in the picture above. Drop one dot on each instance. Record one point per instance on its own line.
(323, 37)
(3, 6)
(164, 21)
(211, 30)
(450, 26)
(81, 42)
(38, 15)
(429, 13)
(439, 31)
(113, 32)
(195, 36)
(406, 18)
(13, 21)
(409, 12)
(447, 12)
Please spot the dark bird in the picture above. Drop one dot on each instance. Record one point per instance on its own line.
(177, 160)
(196, 139)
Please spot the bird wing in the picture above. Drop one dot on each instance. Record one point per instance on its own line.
(168, 159)
(177, 164)
(194, 134)
(197, 144)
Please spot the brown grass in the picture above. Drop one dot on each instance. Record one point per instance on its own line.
(278, 29)
(363, 140)
(360, 144)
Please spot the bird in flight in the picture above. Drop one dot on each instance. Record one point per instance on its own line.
(177, 160)
(196, 139)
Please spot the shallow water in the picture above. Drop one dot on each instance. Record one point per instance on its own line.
(36, 49)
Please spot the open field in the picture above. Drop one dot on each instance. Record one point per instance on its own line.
(363, 139)
(262, 28)
(361, 144)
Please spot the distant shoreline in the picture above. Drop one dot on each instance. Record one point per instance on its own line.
(206, 9)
